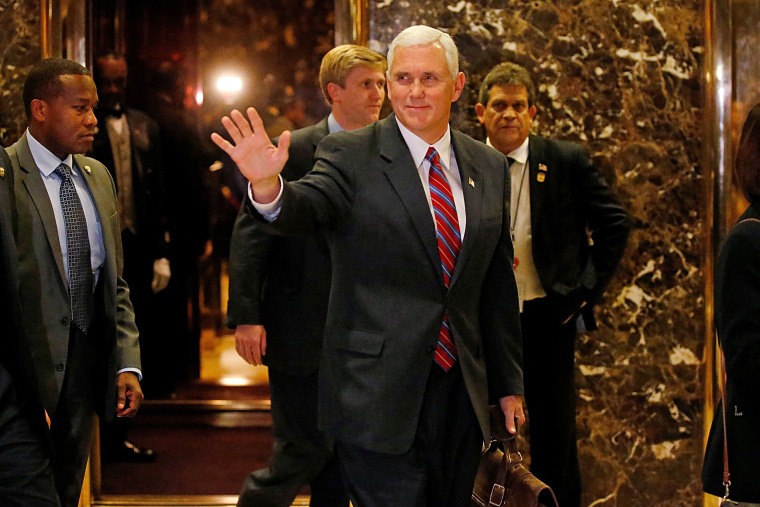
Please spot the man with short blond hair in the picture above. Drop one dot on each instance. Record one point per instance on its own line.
(422, 327)
(279, 287)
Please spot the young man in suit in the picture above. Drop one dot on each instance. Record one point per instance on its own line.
(279, 287)
(557, 196)
(422, 326)
(128, 144)
(77, 317)
(26, 475)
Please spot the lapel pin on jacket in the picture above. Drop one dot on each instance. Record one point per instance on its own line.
(472, 183)
(87, 168)
(541, 176)
(2, 172)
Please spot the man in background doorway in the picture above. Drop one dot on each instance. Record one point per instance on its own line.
(279, 287)
(557, 198)
(128, 144)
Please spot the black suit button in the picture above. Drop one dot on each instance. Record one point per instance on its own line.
(59, 367)
(65, 320)
(431, 350)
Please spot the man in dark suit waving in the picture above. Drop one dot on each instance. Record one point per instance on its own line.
(279, 288)
(557, 196)
(77, 316)
(422, 325)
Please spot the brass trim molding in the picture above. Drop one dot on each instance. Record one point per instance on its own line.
(181, 501)
(352, 22)
(717, 161)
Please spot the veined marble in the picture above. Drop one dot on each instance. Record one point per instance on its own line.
(19, 50)
(623, 78)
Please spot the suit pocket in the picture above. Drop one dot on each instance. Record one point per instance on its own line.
(358, 342)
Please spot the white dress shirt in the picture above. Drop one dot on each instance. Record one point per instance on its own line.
(528, 283)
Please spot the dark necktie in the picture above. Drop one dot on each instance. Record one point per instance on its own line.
(449, 243)
(511, 161)
(78, 246)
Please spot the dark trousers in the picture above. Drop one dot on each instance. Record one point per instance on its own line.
(549, 376)
(301, 454)
(439, 469)
(26, 474)
(73, 422)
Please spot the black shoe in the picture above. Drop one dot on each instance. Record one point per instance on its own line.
(128, 451)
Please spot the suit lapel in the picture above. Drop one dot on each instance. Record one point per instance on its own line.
(536, 157)
(403, 176)
(473, 198)
(31, 179)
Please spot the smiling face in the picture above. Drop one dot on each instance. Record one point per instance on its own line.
(421, 90)
(65, 124)
(507, 117)
(358, 103)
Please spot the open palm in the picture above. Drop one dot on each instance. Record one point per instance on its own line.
(258, 159)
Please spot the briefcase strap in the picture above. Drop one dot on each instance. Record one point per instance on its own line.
(498, 489)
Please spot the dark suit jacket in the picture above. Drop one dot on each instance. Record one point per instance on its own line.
(283, 282)
(15, 355)
(147, 176)
(44, 286)
(572, 199)
(388, 297)
(737, 320)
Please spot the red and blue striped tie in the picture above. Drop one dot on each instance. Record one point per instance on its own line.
(449, 243)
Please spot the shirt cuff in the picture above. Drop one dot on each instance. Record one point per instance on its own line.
(269, 211)
(136, 371)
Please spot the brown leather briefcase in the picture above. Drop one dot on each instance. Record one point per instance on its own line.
(502, 481)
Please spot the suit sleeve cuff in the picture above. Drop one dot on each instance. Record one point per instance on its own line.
(136, 371)
(268, 211)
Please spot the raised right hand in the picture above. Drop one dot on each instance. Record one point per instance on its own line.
(251, 149)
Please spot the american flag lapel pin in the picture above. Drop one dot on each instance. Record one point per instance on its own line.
(542, 170)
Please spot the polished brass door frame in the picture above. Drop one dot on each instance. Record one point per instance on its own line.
(717, 162)
(352, 22)
(65, 26)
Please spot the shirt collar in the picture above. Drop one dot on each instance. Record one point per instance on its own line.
(419, 147)
(520, 154)
(44, 158)
(333, 125)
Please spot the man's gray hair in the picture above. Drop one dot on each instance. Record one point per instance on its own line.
(421, 35)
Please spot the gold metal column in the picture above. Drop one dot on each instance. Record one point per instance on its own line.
(717, 162)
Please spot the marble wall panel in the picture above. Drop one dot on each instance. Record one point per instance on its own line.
(19, 50)
(622, 77)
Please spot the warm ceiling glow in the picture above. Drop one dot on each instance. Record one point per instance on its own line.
(228, 84)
